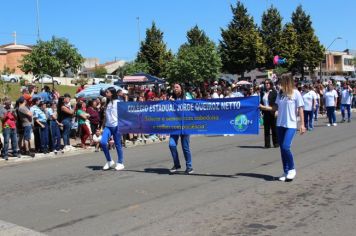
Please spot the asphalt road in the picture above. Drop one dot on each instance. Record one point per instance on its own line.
(232, 192)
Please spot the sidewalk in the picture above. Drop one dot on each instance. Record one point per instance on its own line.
(10, 229)
(74, 151)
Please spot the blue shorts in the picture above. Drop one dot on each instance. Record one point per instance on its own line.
(27, 133)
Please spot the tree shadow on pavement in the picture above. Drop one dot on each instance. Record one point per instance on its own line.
(164, 171)
(258, 176)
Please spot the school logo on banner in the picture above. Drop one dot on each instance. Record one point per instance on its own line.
(241, 123)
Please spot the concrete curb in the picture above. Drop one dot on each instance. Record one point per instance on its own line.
(73, 152)
(10, 229)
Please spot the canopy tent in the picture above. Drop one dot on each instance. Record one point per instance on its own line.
(93, 91)
(140, 79)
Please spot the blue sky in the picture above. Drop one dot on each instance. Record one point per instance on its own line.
(108, 29)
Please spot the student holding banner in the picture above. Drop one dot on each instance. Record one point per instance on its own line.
(268, 99)
(112, 129)
(178, 94)
(289, 104)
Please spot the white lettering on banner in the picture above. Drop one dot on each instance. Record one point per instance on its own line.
(230, 105)
(137, 108)
(208, 106)
(162, 108)
(204, 106)
(185, 107)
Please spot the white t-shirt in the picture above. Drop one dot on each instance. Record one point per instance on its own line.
(216, 95)
(288, 109)
(265, 99)
(96, 139)
(111, 114)
(346, 97)
(309, 98)
(329, 97)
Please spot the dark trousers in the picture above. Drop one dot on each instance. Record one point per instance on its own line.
(269, 123)
(44, 135)
(55, 135)
(9, 134)
(36, 134)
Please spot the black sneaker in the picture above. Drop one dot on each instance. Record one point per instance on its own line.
(6, 158)
(31, 154)
(174, 169)
(189, 171)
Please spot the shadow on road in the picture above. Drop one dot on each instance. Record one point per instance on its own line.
(95, 167)
(258, 176)
(252, 147)
(164, 171)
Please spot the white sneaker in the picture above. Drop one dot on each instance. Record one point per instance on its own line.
(328, 125)
(291, 174)
(334, 124)
(108, 165)
(119, 166)
(282, 178)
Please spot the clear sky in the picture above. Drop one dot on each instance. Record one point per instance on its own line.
(108, 29)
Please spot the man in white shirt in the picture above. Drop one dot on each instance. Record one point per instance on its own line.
(309, 98)
(346, 98)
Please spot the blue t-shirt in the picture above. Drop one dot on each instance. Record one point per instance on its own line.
(288, 109)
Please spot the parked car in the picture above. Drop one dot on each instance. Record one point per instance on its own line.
(105, 80)
(47, 79)
(10, 78)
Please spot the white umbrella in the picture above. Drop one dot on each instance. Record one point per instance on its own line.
(338, 78)
(93, 91)
(243, 82)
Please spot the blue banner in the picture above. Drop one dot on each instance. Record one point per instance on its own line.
(206, 116)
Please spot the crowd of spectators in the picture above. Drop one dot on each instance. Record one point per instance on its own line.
(43, 121)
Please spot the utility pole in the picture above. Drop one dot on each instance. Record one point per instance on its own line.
(320, 76)
(38, 20)
(138, 31)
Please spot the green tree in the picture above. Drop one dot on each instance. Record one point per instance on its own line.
(196, 61)
(133, 67)
(271, 32)
(100, 72)
(309, 52)
(288, 45)
(153, 52)
(52, 57)
(6, 70)
(241, 47)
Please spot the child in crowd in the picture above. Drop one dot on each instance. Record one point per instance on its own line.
(97, 139)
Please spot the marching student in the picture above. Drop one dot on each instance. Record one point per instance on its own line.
(309, 98)
(289, 104)
(178, 94)
(112, 129)
(346, 98)
(330, 96)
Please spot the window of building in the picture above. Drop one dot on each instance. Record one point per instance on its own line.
(348, 62)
